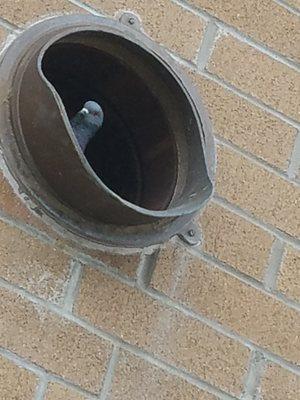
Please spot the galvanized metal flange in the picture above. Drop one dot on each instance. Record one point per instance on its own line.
(156, 122)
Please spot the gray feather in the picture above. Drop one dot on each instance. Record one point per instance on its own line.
(87, 122)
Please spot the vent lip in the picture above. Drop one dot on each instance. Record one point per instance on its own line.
(141, 226)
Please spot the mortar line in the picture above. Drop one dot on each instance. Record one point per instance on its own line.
(248, 280)
(86, 260)
(141, 270)
(9, 26)
(251, 99)
(259, 46)
(26, 228)
(108, 379)
(294, 167)
(256, 160)
(43, 374)
(64, 382)
(250, 218)
(223, 330)
(41, 388)
(192, 379)
(180, 373)
(228, 86)
(111, 272)
(224, 267)
(86, 7)
(146, 268)
(164, 300)
(21, 362)
(179, 273)
(151, 358)
(274, 264)
(73, 285)
(289, 7)
(207, 45)
(253, 378)
(229, 269)
(241, 36)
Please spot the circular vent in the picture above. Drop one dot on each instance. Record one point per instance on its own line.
(146, 173)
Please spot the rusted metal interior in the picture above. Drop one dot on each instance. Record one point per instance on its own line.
(147, 173)
(135, 154)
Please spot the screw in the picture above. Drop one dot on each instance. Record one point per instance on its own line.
(191, 233)
(131, 21)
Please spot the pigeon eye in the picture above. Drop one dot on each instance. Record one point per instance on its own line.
(84, 111)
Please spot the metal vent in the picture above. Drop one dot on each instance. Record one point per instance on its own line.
(150, 171)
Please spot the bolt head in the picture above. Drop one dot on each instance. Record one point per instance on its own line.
(131, 21)
(191, 233)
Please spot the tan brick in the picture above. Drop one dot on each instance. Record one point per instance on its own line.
(20, 12)
(127, 264)
(33, 265)
(59, 346)
(146, 323)
(16, 383)
(254, 189)
(289, 275)
(257, 74)
(55, 391)
(279, 384)
(243, 309)
(12, 205)
(264, 20)
(246, 125)
(136, 379)
(236, 241)
(166, 22)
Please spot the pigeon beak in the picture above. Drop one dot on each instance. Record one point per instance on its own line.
(84, 111)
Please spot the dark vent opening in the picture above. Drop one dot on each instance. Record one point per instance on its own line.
(135, 152)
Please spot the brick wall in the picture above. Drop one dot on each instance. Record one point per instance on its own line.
(217, 322)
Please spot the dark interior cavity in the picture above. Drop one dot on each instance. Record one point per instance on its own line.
(136, 152)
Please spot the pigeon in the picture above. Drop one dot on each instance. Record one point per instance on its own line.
(87, 122)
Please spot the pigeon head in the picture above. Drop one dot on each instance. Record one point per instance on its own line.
(92, 114)
(87, 122)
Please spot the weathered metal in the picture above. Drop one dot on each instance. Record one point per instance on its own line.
(148, 173)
